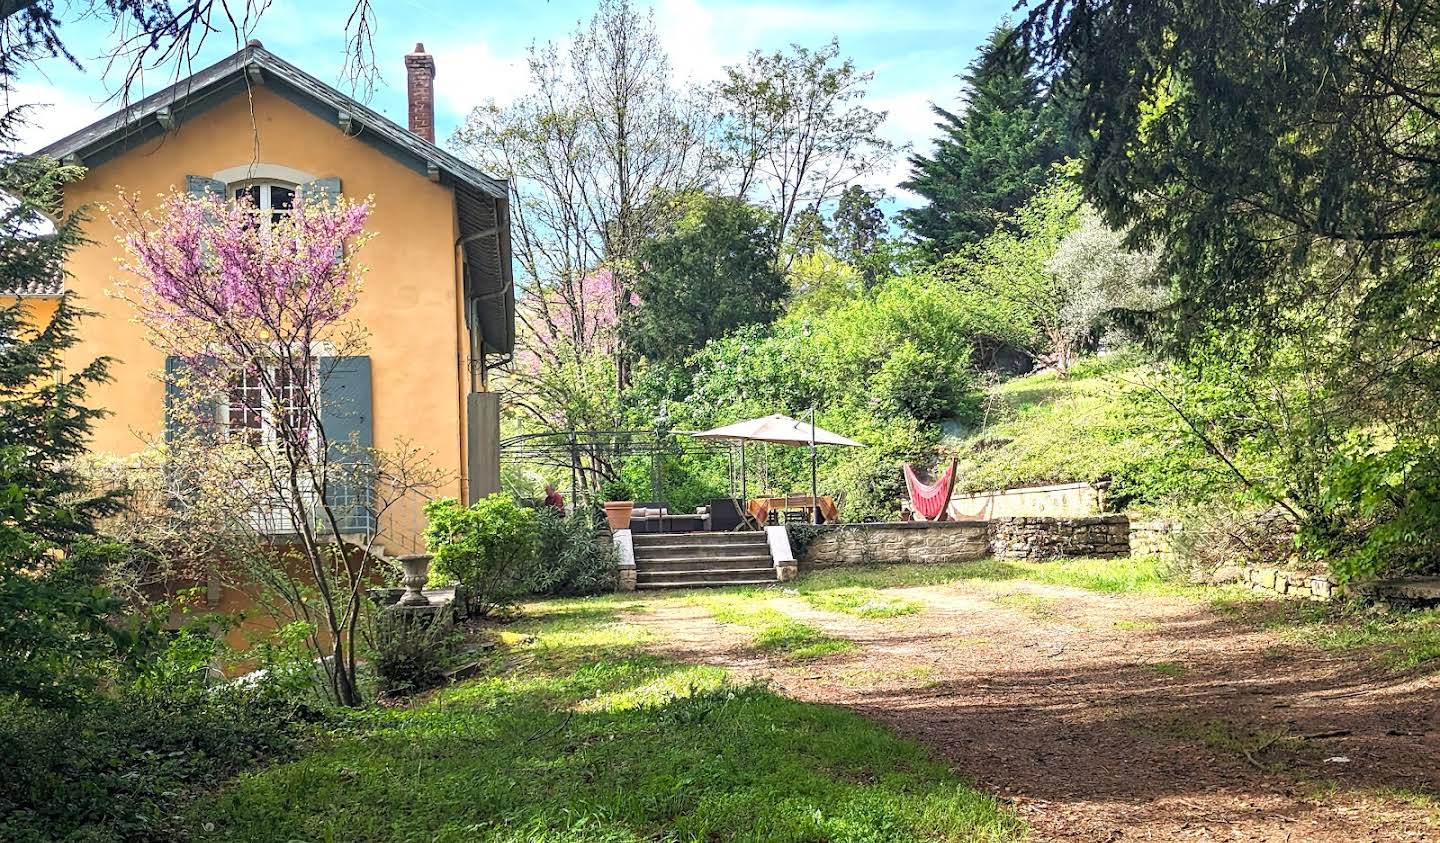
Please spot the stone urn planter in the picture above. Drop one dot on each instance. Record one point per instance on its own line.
(416, 570)
(618, 514)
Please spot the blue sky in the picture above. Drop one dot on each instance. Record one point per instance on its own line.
(915, 49)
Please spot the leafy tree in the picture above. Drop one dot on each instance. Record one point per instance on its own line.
(1006, 280)
(857, 228)
(1284, 159)
(993, 155)
(808, 234)
(820, 282)
(1103, 277)
(794, 131)
(712, 272)
(591, 153)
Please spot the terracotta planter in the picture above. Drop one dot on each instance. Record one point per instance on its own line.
(618, 514)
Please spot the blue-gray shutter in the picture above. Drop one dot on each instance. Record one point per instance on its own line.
(321, 190)
(348, 419)
(204, 413)
(201, 185)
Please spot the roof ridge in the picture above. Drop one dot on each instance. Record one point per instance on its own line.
(132, 116)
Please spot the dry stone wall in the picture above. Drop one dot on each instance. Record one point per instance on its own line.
(863, 544)
(1104, 536)
(1153, 538)
(962, 541)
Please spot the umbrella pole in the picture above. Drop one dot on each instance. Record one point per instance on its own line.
(814, 472)
(744, 493)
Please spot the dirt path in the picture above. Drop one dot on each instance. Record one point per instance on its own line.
(1121, 717)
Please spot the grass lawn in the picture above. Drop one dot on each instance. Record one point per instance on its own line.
(770, 628)
(576, 734)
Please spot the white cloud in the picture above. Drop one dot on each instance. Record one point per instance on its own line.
(54, 112)
(468, 74)
(687, 31)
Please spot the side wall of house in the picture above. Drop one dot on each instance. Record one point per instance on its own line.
(38, 309)
(410, 300)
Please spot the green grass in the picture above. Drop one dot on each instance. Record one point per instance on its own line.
(859, 601)
(1400, 640)
(1138, 625)
(1036, 606)
(1095, 424)
(1107, 576)
(575, 734)
(770, 628)
(1169, 668)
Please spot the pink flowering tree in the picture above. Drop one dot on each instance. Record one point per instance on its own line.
(254, 311)
(566, 375)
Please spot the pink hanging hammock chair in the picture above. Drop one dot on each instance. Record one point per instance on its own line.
(930, 501)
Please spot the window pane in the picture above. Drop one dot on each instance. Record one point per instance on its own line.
(282, 199)
(244, 407)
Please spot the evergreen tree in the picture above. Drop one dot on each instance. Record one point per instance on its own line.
(993, 156)
(715, 270)
(857, 228)
(53, 615)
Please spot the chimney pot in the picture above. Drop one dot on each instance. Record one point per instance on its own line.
(420, 87)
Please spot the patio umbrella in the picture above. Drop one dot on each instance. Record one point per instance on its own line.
(778, 429)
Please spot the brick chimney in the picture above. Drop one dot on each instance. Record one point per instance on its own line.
(420, 86)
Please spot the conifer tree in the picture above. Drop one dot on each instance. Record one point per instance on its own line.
(993, 155)
(53, 617)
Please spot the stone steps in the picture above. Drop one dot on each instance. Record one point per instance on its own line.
(682, 562)
(707, 575)
(688, 560)
(704, 583)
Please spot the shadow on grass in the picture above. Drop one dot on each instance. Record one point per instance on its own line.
(575, 739)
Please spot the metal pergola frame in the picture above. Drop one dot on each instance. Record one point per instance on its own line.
(563, 450)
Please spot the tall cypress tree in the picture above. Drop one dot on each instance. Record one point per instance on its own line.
(993, 156)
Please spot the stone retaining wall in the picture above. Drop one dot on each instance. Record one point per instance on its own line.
(862, 544)
(964, 541)
(1104, 536)
(1284, 583)
(1153, 538)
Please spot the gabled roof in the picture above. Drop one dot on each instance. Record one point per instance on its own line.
(482, 201)
(254, 65)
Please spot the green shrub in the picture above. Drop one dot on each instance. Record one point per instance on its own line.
(409, 653)
(489, 548)
(572, 561)
(119, 768)
(925, 385)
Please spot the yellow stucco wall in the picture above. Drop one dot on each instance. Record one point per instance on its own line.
(409, 304)
(38, 309)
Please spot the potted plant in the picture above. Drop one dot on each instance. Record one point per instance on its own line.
(618, 514)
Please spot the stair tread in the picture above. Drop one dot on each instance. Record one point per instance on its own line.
(640, 571)
(691, 556)
(700, 583)
(699, 538)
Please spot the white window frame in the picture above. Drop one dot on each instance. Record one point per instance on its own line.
(265, 209)
(275, 518)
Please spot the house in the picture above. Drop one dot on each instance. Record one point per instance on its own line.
(438, 301)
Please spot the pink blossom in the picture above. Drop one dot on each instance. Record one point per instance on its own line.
(219, 273)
